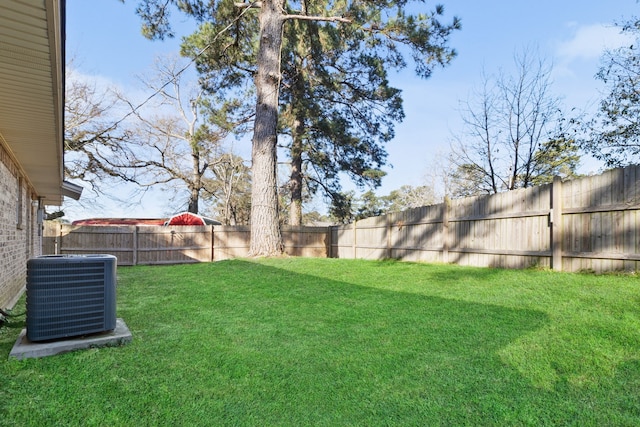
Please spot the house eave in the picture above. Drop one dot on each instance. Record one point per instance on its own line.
(32, 89)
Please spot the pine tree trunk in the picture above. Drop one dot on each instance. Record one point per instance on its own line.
(297, 145)
(266, 236)
(295, 183)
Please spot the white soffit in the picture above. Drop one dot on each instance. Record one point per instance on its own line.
(31, 91)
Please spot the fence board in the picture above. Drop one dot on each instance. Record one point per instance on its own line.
(598, 218)
(598, 224)
(151, 245)
(306, 241)
(342, 241)
(174, 244)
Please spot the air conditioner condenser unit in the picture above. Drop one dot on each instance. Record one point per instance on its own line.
(70, 295)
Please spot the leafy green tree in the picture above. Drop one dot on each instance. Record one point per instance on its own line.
(315, 217)
(244, 47)
(348, 208)
(341, 210)
(614, 134)
(368, 204)
(557, 157)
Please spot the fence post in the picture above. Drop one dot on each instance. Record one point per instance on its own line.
(389, 251)
(445, 229)
(135, 245)
(213, 243)
(355, 242)
(57, 250)
(556, 224)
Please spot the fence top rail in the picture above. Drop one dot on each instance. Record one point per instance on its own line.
(522, 214)
(305, 229)
(604, 208)
(176, 229)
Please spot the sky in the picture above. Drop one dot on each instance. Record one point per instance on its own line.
(104, 40)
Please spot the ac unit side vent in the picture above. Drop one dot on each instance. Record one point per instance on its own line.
(70, 295)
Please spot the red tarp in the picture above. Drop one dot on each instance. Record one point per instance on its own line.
(185, 218)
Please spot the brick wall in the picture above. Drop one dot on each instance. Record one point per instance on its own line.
(19, 230)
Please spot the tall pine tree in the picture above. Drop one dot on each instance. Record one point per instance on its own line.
(323, 74)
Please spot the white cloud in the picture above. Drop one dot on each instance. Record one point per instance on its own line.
(588, 42)
(579, 54)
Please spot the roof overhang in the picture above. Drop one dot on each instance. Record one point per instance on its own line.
(32, 91)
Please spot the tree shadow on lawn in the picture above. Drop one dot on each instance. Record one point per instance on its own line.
(254, 344)
(396, 353)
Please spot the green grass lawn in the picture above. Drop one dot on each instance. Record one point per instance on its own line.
(329, 342)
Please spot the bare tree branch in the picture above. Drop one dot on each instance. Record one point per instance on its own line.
(318, 18)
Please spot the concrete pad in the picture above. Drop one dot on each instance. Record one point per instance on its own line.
(25, 349)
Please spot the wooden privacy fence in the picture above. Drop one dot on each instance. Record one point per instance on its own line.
(147, 245)
(585, 224)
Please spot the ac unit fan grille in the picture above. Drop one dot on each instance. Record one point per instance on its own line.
(69, 296)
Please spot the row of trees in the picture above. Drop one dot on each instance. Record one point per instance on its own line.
(369, 204)
(309, 80)
(314, 75)
(182, 154)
